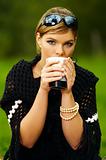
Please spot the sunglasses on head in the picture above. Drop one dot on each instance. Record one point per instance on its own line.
(54, 19)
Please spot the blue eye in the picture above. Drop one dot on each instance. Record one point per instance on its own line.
(69, 44)
(51, 42)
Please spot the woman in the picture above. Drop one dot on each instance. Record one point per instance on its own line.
(47, 123)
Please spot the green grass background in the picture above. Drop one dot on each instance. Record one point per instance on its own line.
(96, 64)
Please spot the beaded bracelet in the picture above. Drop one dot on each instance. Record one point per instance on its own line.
(69, 110)
(69, 118)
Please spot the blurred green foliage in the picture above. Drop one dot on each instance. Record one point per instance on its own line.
(19, 18)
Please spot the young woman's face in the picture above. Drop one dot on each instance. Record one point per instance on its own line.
(56, 44)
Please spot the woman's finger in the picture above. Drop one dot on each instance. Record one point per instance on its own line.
(52, 74)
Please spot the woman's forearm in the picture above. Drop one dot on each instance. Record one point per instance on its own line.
(73, 128)
(32, 124)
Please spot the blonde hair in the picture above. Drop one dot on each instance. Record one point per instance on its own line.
(60, 27)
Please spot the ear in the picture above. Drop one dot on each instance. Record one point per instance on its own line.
(76, 38)
(38, 39)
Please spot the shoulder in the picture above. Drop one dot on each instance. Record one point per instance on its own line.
(15, 80)
(23, 67)
(19, 66)
(85, 80)
(85, 77)
(18, 69)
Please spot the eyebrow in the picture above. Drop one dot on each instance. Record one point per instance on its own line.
(70, 40)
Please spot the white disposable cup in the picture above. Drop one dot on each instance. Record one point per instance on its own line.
(56, 59)
(62, 83)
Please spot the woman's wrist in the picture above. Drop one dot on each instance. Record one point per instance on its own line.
(66, 92)
(44, 90)
(68, 97)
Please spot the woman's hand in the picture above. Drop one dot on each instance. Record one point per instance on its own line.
(51, 72)
(70, 74)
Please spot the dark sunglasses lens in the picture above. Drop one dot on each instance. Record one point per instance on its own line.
(70, 21)
(52, 20)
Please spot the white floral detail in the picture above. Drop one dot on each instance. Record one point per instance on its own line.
(93, 118)
(12, 111)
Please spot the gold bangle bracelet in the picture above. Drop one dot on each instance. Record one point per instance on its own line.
(68, 118)
(69, 110)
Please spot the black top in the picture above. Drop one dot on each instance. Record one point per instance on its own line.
(20, 91)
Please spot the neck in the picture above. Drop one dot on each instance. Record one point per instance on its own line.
(41, 63)
(38, 67)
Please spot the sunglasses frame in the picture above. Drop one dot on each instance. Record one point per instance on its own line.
(73, 22)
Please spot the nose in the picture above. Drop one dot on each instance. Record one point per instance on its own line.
(60, 50)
